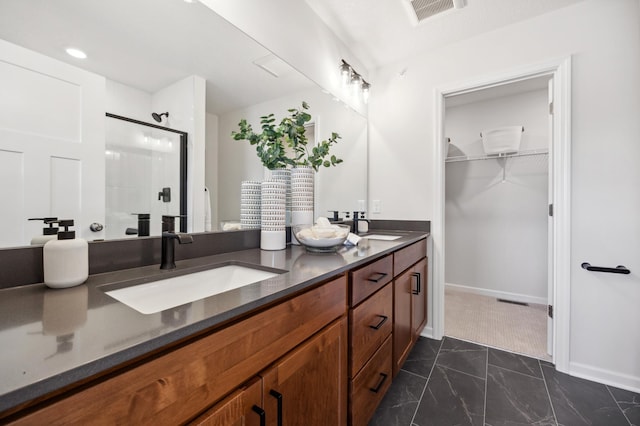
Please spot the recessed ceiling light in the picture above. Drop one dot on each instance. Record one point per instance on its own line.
(76, 53)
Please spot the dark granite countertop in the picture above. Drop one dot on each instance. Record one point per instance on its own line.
(52, 338)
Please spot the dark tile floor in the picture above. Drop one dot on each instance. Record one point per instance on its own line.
(451, 382)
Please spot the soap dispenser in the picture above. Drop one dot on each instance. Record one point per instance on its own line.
(48, 234)
(66, 260)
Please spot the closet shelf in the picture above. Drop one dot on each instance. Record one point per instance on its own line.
(524, 153)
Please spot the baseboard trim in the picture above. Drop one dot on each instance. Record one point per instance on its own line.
(607, 377)
(498, 294)
(427, 332)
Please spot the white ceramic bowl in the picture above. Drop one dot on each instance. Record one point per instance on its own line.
(321, 240)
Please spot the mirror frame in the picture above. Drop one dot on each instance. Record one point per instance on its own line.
(183, 162)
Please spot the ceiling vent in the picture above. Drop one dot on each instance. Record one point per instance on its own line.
(424, 9)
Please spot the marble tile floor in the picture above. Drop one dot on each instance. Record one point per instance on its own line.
(453, 382)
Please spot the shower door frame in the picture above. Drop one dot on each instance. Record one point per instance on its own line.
(183, 162)
(559, 70)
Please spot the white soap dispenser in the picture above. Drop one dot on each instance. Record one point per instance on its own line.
(66, 260)
(48, 234)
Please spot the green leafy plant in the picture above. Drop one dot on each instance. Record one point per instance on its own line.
(273, 141)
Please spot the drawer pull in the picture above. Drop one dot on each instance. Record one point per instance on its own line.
(377, 388)
(416, 275)
(260, 412)
(378, 276)
(278, 396)
(377, 326)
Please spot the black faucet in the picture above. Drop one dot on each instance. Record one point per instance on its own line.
(357, 217)
(169, 235)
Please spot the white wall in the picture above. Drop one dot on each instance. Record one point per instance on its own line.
(603, 38)
(495, 230)
(128, 102)
(337, 188)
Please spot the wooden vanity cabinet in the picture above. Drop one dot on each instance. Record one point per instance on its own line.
(308, 386)
(370, 329)
(179, 384)
(409, 300)
(242, 408)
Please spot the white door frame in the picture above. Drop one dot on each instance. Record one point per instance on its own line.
(560, 70)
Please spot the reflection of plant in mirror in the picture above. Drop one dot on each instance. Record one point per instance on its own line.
(290, 133)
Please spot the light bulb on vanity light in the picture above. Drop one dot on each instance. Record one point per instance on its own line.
(356, 84)
(365, 91)
(345, 73)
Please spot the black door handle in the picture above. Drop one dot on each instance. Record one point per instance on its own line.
(617, 270)
(377, 388)
(278, 396)
(377, 326)
(380, 275)
(261, 413)
(418, 286)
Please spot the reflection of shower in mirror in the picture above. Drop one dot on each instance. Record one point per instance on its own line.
(158, 117)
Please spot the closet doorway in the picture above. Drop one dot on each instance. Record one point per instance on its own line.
(496, 216)
(493, 236)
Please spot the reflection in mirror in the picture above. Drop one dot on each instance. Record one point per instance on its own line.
(180, 57)
(145, 177)
(342, 188)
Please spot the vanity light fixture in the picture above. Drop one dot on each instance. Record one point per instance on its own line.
(76, 53)
(354, 81)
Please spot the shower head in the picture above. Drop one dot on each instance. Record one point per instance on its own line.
(158, 117)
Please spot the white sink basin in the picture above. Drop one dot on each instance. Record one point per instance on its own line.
(382, 237)
(168, 293)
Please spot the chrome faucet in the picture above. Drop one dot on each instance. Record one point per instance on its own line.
(169, 236)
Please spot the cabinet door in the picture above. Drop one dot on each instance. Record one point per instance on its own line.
(241, 408)
(309, 386)
(402, 330)
(419, 297)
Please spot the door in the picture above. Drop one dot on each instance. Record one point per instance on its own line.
(51, 144)
(550, 229)
(309, 386)
(241, 408)
(402, 331)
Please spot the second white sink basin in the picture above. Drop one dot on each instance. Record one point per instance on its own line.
(382, 237)
(168, 293)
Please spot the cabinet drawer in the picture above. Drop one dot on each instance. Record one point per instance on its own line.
(370, 385)
(370, 324)
(370, 278)
(173, 387)
(407, 256)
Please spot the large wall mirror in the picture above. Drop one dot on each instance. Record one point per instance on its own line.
(144, 57)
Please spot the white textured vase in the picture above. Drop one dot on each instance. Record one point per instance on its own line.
(273, 216)
(284, 175)
(302, 197)
(250, 203)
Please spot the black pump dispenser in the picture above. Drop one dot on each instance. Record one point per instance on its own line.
(51, 230)
(66, 234)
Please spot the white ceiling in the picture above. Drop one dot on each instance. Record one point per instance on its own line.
(150, 44)
(380, 32)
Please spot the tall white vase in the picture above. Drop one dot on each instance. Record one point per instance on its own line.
(284, 175)
(302, 197)
(272, 223)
